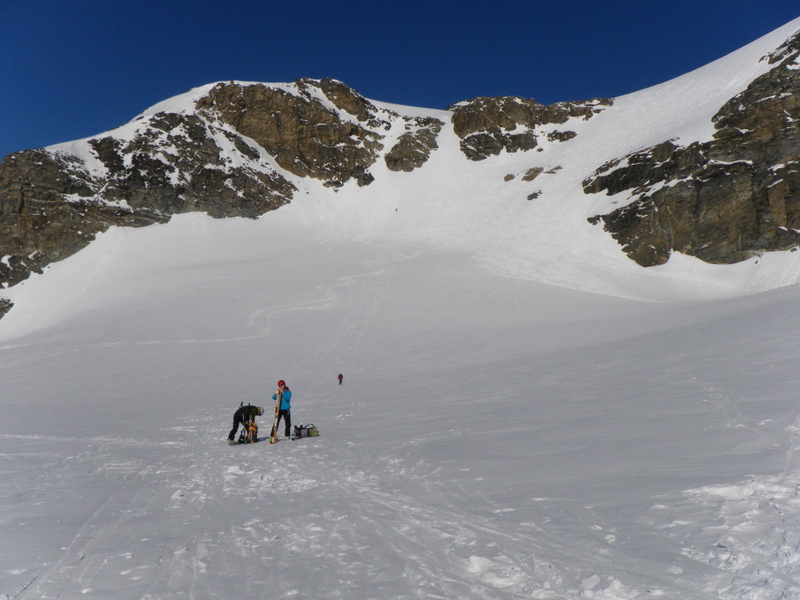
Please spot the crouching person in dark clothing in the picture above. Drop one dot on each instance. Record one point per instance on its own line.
(244, 416)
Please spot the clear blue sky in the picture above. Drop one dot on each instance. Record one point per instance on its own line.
(75, 68)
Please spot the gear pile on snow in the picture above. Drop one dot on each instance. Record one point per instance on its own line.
(301, 431)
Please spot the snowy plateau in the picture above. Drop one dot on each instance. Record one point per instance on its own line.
(524, 414)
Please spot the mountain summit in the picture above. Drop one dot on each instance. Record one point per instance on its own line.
(704, 165)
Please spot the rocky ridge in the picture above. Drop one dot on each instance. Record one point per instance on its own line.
(724, 200)
(306, 135)
(241, 150)
(234, 156)
(489, 126)
(53, 203)
(238, 153)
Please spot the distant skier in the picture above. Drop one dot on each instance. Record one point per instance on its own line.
(340, 378)
(244, 415)
(285, 412)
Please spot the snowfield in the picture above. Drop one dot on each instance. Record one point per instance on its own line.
(494, 437)
(525, 412)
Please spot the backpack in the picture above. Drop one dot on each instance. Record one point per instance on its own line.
(252, 432)
(301, 431)
(249, 432)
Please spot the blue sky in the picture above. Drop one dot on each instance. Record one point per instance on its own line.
(75, 68)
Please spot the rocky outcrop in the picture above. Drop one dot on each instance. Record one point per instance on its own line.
(52, 204)
(489, 126)
(182, 163)
(414, 147)
(47, 212)
(304, 131)
(722, 201)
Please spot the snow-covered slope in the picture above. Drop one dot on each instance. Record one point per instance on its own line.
(503, 430)
(494, 437)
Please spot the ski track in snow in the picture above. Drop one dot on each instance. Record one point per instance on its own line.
(724, 526)
(372, 539)
(205, 520)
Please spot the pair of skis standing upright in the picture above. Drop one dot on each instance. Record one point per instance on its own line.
(273, 434)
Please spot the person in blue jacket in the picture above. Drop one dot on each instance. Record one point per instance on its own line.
(286, 407)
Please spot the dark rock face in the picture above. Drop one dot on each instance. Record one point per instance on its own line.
(176, 165)
(51, 206)
(414, 147)
(308, 138)
(532, 173)
(487, 126)
(48, 212)
(304, 136)
(725, 200)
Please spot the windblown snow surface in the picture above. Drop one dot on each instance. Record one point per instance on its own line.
(525, 413)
